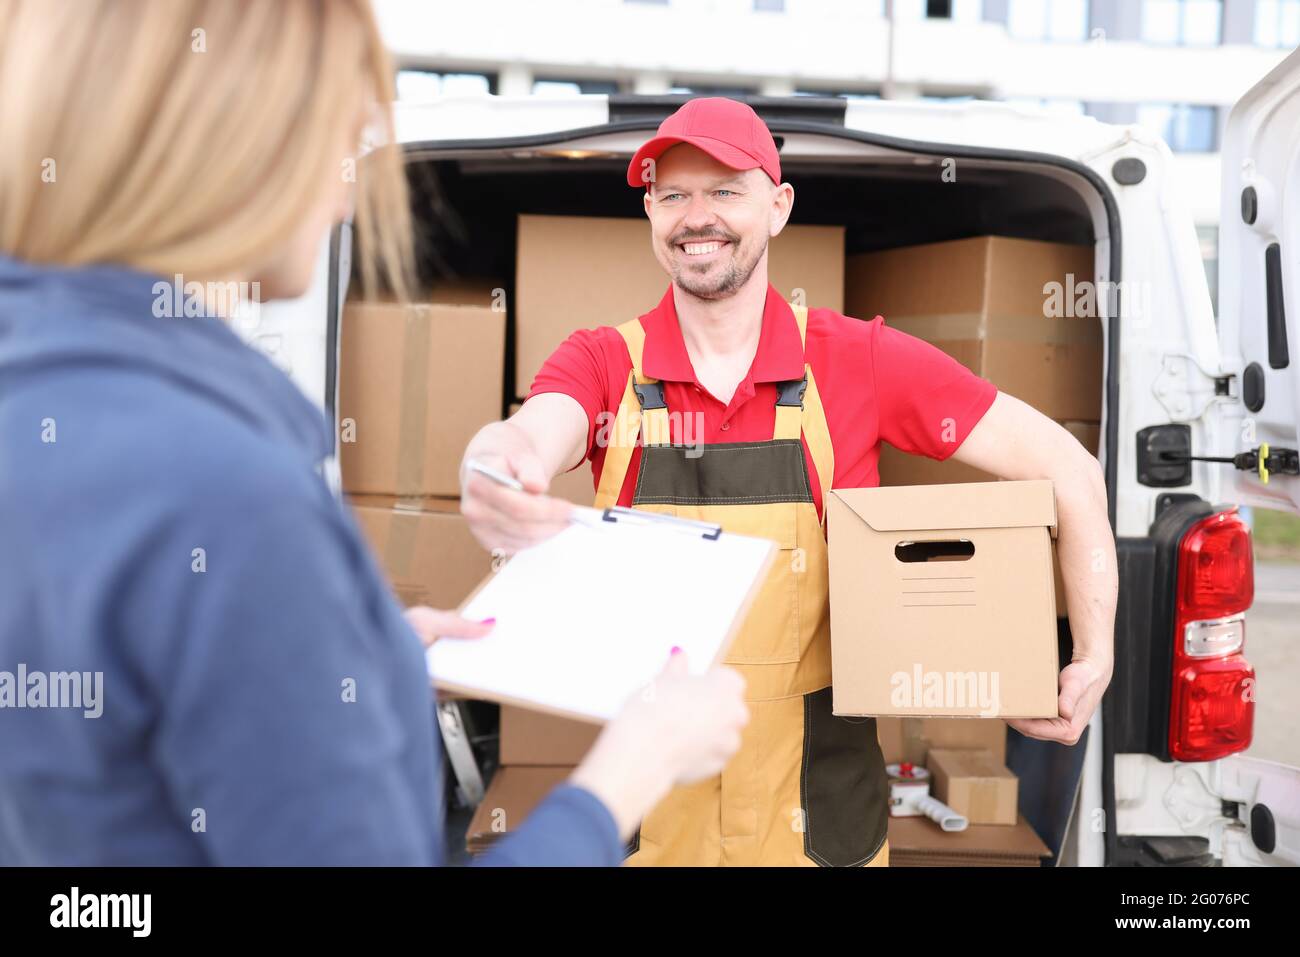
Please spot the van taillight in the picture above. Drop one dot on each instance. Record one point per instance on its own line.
(1212, 709)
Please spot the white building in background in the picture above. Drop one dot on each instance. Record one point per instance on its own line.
(1175, 66)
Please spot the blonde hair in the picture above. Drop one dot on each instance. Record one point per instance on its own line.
(193, 136)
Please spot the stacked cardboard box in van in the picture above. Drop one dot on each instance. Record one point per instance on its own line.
(415, 383)
(1023, 314)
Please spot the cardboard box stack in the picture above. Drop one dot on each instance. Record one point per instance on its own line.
(425, 547)
(1020, 313)
(415, 383)
(945, 745)
(537, 753)
(578, 272)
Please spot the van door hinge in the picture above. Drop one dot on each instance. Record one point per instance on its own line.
(1185, 390)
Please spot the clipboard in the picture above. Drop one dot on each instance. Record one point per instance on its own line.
(588, 617)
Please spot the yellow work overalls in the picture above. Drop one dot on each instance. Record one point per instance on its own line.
(806, 787)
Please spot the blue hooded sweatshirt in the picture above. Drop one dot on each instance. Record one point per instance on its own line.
(200, 662)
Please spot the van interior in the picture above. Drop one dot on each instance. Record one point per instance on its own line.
(465, 208)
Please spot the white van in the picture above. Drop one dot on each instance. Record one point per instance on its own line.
(1159, 778)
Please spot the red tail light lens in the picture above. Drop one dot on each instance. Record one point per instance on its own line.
(1216, 567)
(1212, 705)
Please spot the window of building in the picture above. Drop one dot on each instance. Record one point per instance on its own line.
(1187, 128)
(737, 92)
(1277, 23)
(425, 84)
(1182, 22)
(1056, 20)
(838, 93)
(572, 87)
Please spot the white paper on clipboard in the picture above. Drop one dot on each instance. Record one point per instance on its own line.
(589, 616)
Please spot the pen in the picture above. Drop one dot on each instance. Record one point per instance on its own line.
(583, 516)
(499, 477)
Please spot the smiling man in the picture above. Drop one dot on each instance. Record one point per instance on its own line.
(734, 407)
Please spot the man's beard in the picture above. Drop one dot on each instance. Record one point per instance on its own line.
(732, 276)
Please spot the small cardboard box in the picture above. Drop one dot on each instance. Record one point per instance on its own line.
(579, 272)
(534, 738)
(910, 739)
(974, 784)
(1020, 313)
(415, 383)
(942, 600)
(429, 554)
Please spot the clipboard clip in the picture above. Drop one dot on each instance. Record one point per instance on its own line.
(621, 513)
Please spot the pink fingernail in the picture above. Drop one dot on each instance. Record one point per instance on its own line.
(488, 621)
(676, 650)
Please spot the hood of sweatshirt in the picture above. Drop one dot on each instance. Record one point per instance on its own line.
(115, 317)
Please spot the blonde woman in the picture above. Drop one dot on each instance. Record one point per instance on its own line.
(169, 552)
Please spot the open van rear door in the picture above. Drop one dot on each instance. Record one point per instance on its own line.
(1259, 292)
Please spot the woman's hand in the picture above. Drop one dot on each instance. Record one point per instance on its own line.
(434, 623)
(680, 728)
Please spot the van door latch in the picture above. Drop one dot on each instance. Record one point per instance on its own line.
(1263, 461)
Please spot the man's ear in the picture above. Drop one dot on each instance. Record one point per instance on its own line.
(645, 202)
(782, 206)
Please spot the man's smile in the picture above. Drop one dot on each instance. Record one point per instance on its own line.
(702, 250)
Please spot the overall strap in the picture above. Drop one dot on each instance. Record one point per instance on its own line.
(622, 438)
(799, 409)
(789, 395)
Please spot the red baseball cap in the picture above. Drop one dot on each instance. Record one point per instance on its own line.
(728, 130)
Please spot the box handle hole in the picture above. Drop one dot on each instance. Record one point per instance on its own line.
(950, 550)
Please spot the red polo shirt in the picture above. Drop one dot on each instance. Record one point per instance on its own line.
(875, 382)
